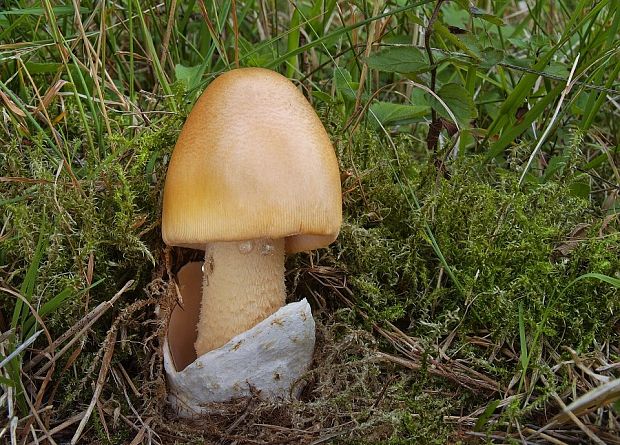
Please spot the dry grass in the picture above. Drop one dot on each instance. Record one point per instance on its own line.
(86, 92)
(354, 392)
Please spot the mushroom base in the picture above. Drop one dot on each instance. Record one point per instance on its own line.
(269, 358)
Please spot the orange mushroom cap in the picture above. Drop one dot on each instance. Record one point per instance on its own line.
(253, 161)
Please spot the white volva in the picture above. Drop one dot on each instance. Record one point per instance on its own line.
(269, 357)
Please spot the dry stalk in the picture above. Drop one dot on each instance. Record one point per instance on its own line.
(108, 345)
(75, 332)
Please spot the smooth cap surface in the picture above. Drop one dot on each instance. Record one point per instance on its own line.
(252, 161)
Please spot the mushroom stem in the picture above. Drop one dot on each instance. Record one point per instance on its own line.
(243, 283)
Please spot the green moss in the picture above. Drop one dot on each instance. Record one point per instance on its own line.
(500, 240)
(506, 245)
(106, 212)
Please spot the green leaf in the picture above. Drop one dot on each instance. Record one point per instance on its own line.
(464, 4)
(292, 65)
(600, 159)
(445, 32)
(523, 340)
(399, 59)
(460, 102)
(191, 75)
(28, 285)
(580, 190)
(48, 307)
(527, 82)
(411, 16)
(43, 67)
(605, 278)
(387, 113)
(523, 62)
(255, 56)
(515, 130)
(344, 83)
(480, 14)
(74, 72)
(601, 277)
(335, 35)
(491, 57)
(320, 95)
(57, 10)
(455, 15)
(557, 69)
(486, 415)
(55, 303)
(7, 382)
(313, 14)
(555, 165)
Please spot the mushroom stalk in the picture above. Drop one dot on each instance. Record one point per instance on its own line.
(243, 284)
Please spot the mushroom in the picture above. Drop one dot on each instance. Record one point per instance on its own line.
(253, 176)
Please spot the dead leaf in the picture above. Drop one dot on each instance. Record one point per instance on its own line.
(574, 238)
(50, 94)
(11, 105)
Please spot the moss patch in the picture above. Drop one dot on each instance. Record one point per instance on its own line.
(510, 248)
(506, 245)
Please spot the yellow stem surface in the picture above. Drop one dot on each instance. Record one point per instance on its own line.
(243, 284)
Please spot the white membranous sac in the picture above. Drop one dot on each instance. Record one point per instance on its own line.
(284, 341)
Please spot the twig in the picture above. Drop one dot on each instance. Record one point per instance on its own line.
(34, 312)
(80, 327)
(547, 437)
(369, 43)
(238, 420)
(592, 400)
(572, 417)
(577, 422)
(108, 347)
(103, 421)
(328, 437)
(435, 127)
(70, 421)
(139, 438)
(129, 381)
(103, 373)
(165, 53)
(35, 417)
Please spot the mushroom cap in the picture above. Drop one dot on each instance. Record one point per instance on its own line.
(252, 161)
